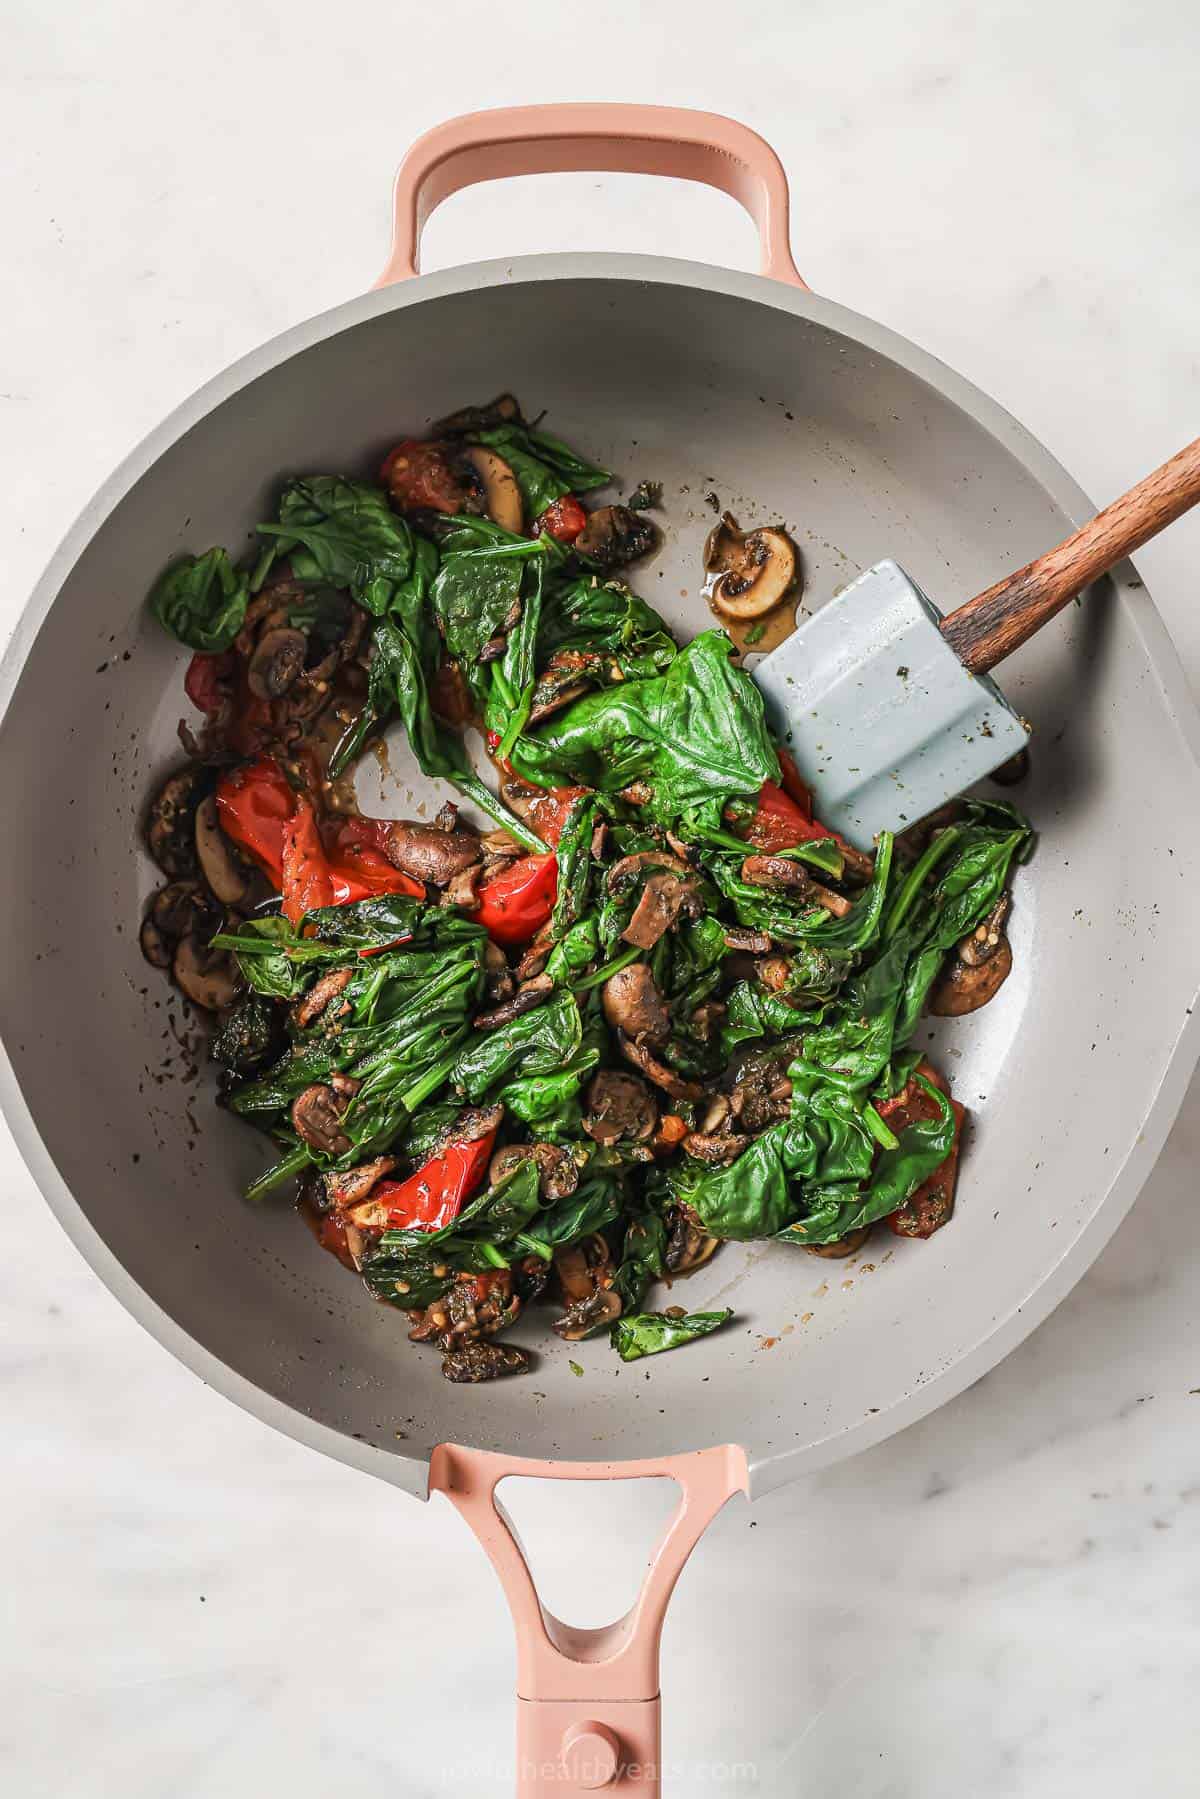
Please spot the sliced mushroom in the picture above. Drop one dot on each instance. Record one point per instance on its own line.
(633, 1004)
(484, 1361)
(618, 1106)
(750, 572)
(479, 1306)
(584, 1317)
(317, 1120)
(501, 495)
(762, 1093)
(562, 680)
(535, 957)
(717, 1149)
(752, 943)
(981, 964)
(319, 996)
(498, 982)
(209, 977)
(279, 657)
(688, 1247)
(848, 1245)
(663, 898)
(218, 864)
(461, 888)
(428, 854)
(170, 827)
(353, 1185)
(962, 989)
(614, 535)
(642, 1057)
(581, 1267)
(558, 1171)
(629, 869)
(175, 911)
(779, 872)
(533, 993)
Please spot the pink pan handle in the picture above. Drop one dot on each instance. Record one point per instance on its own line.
(588, 1708)
(635, 140)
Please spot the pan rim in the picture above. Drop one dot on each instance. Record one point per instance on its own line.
(1181, 1055)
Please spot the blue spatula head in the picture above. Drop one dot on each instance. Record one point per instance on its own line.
(877, 710)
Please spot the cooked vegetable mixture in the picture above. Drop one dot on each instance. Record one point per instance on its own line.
(655, 1007)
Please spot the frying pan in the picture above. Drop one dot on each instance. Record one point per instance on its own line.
(787, 406)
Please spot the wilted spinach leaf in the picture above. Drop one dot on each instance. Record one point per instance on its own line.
(649, 1333)
(202, 601)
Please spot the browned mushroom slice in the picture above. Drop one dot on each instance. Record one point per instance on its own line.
(561, 682)
(584, 1317)
(484, 1361)
(460, 890)
(633, 1004)
(498, 485)
(618, 1106)
(317, 1120)
(498, 983)
(752, 943)
(717, 1149)
(663, 898)
(688, 1247)
(780, 872)
(171, 824)
(629, 869)
(643, 1058)
(762, 1093)
(614, 535)
(209, 977)
(535, 957)
(219, 865)
(750, 572)
(319, 996)
(279, 656)
(981, 964)
(558, 1171)
(428, 854)
(351, 1186)
(584, 1271)
(848, 1245)
(532, 994)
(175, 911)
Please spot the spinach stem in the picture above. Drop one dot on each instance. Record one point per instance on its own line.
(601, 974)
(917, 876)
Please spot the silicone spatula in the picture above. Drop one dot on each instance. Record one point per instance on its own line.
(887, 706)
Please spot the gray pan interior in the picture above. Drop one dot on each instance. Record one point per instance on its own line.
(785, 405)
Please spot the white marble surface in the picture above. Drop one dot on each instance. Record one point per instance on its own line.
(1001, 1601)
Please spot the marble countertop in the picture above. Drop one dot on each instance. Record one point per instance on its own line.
(1000, 1601)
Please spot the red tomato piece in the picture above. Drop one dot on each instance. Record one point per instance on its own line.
(563, 519)
(516, 903)
(547, 812)
(254, 804)
(207, 681)
(307, 882)
(436, 1193)
(419, 477)
(357, 860)
(797, 789)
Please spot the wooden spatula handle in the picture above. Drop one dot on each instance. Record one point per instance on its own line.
(994, 624)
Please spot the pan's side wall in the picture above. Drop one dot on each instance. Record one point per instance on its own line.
(779, 415)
